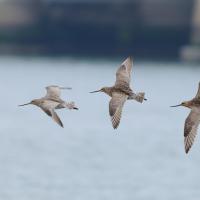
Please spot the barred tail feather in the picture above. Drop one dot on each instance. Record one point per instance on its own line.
(71, 105)
(138, 97)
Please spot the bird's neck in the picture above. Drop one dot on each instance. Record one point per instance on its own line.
(108, 91)
(37, 102)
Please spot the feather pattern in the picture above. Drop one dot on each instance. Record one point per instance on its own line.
(115, 107)
(190, 129)
(123, 75)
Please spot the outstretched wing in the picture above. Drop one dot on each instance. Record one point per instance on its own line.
(123, 75)
(53, 92)
(198, 92)
(115, 107)
(190, 130)
(56, 118)
(53, 115)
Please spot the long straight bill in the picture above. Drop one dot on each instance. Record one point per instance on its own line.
(95, 91)
(25, 104)
(176, 105)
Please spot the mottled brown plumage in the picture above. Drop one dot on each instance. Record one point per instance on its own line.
(120, 92)
(51, 102)
(192, 121)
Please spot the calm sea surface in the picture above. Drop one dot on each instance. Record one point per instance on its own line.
(143, 159)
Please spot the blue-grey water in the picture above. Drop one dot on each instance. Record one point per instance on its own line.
(143, 159)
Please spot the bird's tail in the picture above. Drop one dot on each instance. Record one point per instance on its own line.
(138, 97)
(70, 105)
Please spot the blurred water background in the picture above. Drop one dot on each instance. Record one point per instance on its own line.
(143, 159)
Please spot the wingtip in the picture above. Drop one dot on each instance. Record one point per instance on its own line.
(115, 126)
(187, 149)
(130, 59)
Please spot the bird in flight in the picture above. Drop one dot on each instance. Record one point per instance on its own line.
(121, 92)
(52, 101)
(192, 121)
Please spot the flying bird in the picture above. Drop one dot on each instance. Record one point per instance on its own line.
(192, 121)
(121, 92)
(52, 101)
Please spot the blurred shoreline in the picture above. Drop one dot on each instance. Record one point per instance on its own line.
(100, 28)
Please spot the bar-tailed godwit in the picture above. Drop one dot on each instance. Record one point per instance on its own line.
(192, 121)
(120, 92)
(52, 101)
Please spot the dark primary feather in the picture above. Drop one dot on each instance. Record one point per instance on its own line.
(53, 114)
(48, 112)
(56, 118)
